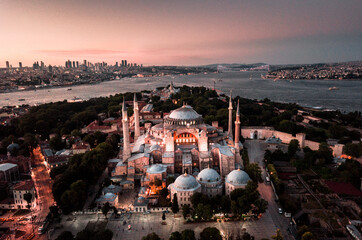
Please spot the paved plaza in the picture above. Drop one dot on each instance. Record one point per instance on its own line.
(142, 224)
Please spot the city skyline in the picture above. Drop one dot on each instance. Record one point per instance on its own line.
(180, 33)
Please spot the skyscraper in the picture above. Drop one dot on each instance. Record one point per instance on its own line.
(20, 65)
(73, 64)
(77, 64)
(41, 65)
(125, 63)
(7, 64)
(85, 62)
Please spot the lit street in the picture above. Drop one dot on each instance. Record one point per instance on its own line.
(256, 150)
(43, 184)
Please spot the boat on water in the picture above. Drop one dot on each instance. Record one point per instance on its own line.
(21, 100)
(333, 88)
(69, 89)
(75, 99)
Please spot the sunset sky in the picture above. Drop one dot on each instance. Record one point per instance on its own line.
(187, 32)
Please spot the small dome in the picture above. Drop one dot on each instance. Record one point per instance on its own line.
(237, 177)
(185, 112)
(13, 146)
(208, 175)
(156, 168)
(155, 147)
(186, 182)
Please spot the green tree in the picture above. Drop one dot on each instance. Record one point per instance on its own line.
(28, 197)
(175, 236)
(261, 205)
(278, 235)
(204, 211)
(188, 234)
(169, 180)
(225, 204)
(30, 141)
(210, 233)
(234, 207)
(353, 150)
(307, 236)
(302, 229)
(325, 152)
(56, 142)
(151, 236)
(254, 172)
(65, 235)
(245, 157)
(175, 207)
(105, 209)
(293, 147)
(185, 210)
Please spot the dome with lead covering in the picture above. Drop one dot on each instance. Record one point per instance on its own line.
(208, 175)
(186, 182)
(157, 168)
(184, 115)
(237, 177)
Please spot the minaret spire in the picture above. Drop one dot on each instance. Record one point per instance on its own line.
(230, 125)
(136, 115)
(125, 126)
(237, 128)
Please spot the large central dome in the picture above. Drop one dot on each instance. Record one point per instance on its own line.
(184, 115)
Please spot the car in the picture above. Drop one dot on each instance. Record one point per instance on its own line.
(267, 179)
(280, 210)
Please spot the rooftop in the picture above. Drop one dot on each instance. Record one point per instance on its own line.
(24, 185)
(7, 166)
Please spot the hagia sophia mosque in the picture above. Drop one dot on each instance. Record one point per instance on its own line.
(202, 158)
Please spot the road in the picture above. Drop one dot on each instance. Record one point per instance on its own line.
(256, 150)
(43, 185)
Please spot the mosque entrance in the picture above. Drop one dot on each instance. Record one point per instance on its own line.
(255, 135)
(186, 139)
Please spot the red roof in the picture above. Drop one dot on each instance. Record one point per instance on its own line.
(344, 188)
(57, 159)
(94, 126)
(24, 185)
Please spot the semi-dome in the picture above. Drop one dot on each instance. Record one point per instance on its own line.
(237, 177)
(186, 182)
(208, 175)
(183, 116)
(156, 168)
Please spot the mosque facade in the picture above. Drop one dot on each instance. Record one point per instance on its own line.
(181, 144)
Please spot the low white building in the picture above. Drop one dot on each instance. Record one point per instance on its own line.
(236, 179)
(210, 181)
(184, 186)
(19, 190)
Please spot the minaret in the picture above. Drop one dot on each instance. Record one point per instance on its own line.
(136, 115)
(125, 126)
(237, 128)
(230, 127)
